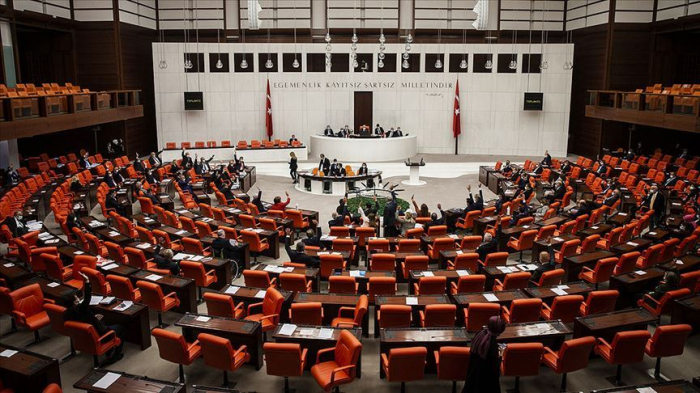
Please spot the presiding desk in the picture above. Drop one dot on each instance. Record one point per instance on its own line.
(238, 331)
(315, 338)
(336, 185)
(364, 149)
(126, 383)
(25, 371)
(606, 325)
(430, 338)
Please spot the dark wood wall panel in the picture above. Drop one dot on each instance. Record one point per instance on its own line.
(96, 56)
(629, 64)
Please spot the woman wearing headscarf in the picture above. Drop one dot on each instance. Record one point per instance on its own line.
(484, 360)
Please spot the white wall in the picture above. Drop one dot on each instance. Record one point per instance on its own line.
(492, 118)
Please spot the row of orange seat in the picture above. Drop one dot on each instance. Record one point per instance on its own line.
(254, 144)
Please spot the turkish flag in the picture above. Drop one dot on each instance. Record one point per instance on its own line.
(268, 115)
(456, 124)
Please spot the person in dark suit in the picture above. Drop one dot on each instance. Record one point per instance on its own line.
(547, 261)
(684, 153)
(257, 201)
(155, 160)
(583, 207)
(434, 220)
(11, 175)
(523, 211)
(490, 242)
(85, 162)
(612, 199)
(75, 184)
(81, 311)
(150, 178)
(112, 203)
(557, 193)
(16, 225)
(655, 201)
(363, 169)
(339, 169)
(671, 181)
(328, 131)
(671, 282)
(231, 167)
(163, 258)
(324, 165)
(138, 165)
(298, 255)
(390, 214)
(639, 151)
(565, 167)
(547, 160)
(202, 166)
(141, 190)
(225, 248)
(336, 220)
(630, 155)
(378, 130)
(293, 139)
(474, 204)
(344, 131)
(602, 168)
(109, 179)
(397, 133)
(186, 162)
(184, 184)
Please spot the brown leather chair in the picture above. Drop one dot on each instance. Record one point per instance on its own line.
(97, 280)
(517, 280)
(342, 369)
(219, 353)
(173, 348)
(295, 282)
(285, 360)
(404, 365)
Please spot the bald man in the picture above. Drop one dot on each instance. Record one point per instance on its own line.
(547, 263)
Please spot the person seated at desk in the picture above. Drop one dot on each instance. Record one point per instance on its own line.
(16, 224)
(434, 220)
(174, 167)
(298, 255)
(582, 207)
(671, 282)
(390, 133)
(328, 131)
(612, 199)
(474, 204)
(406, 222)
(490, 242)
(150, 178)
(155, 160)
(225, 248)
(142, 191)
(324, 165)
(336, 220)
(602, 168)
(113, 180)
(72, 221)
(397, 133)
(378, 130)
(671, 181)
(202, 166)
(548, 263)
(278, 204)
(80, 311)
(85, 162)
(184, 183)
(138, 165)
(547, 160)
(334, 169)
(525, 210)
(565, 167)
(363, 170)
(344, 132)
(163, 258)
(293, 139)
(257, 201)
(556, 193)
(75, 184)
(112, 203)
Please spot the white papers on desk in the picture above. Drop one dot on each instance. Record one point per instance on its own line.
(633, 244)
(559, 292)
(652, 233)
(258, 230)
(428, 274)
(107, 381)
(202, 319)
(322, 253)
(113, 233)
(153, 277)
(197, 258)
(9, 264)
(490, 297)
(558, 239)
(526, 226)
(325, 334)
(95, 300)
(418, 225)
(411, 301)
(183, 211)
(622, 214)
(640, 272)
(206, 219)
(78, 252)
(326, 237)
(462, 273)
(527, 267)
(181, 256)
(563, 286)
(52, 241)
(646, 390)
(269, 268)
(679, 262)
(149, 220)
(7, 353)
(124, 305)
(231, 290)
(288, 269)
(45, 235)
(504, 269)
(459, 252)
(181, 232)
(287, 329)
(355, 273)
(144, 246)
(594, 227)
(307, 332)
(260, 294)
(109, 266)
(53, 284)
(95, 223)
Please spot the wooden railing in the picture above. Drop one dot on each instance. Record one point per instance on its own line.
(672, 111)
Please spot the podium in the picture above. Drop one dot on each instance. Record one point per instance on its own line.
(414, 174)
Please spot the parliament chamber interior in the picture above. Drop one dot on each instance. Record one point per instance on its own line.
(205, 196)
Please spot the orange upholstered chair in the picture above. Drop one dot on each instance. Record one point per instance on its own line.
(256, 244)
(626, 263)
(440, 244)
(221, 305)
(667, 341)
(404, 365)
(523, 242)
(626, 348)
(517, 280)
(464, 261)
(572, 356)
(56, 315)
(195, 271)
(468, 284)
(601, 273)
(352, 316)
(522, 310)
(86, 340)
(552, 277)
(28, 308)
(414, 262)
(381, 286)
(295, 282)
(495, 259)
(153, 297)
(565, 308)
(55, 269)
(521, 360)
(477, 315)
(306, 313)
(382, 262)
(219, 353)
(258, 279)
(97, 280)
(342, 284)
(408, 245)
(665, 304)
(394, 316)
(452, 364)
(123, 289)
(285, 360)
(438, 315)
(430, 285)
(599, 302)
(269, 310)
(342, 369)
(173, 348)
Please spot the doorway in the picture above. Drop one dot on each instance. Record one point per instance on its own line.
(363, 110)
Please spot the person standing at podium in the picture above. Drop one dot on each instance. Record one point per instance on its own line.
(324, 165)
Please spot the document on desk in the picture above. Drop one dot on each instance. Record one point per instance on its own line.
(646, 390)
(559, 292)
(260, 294)
(459, 252)
(633, 244)
(181, 232)
(95, 300)
(53, 284)
(9, 264)
(462, 273)
(124, 305)
(197, 258)
(153, 277)
(287, 329)
(8, 353)
(490, 297)
(325, 333)
(428, 274)
(144, 246)
(269, 268)
(202, 319)
(106, 381)
(411, 301)
(109, 266)
(231, 290)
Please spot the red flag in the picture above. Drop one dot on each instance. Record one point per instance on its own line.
(456, 124)
(268, 116)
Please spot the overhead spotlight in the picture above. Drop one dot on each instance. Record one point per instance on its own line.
(355, 39)
(409, 38)
(405, 55)
(269, 64)
(381, 56)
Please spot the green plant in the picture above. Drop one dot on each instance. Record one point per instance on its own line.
(355, 202)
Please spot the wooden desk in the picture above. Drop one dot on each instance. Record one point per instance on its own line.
(62, 294)
(318, 253)
(307, 337)
(422, 300)
(556, 220)
(238, 331)
(677, 386)
(28, 371)
(494, 273)
(484, 172)
(598, 229)
(574, 264)
(512, 232)
(127, 383)
(426, 240)
(549, 333)
(542, 245)
(657, 235)
(119, 270)
(332, 302)
(504, 298)
(607, 324)
(247, 296)
(399, 257)
(146, 222)
(631, 285)
(13, 273)
(362, 277)
(619, 219)
(430, 338)
(111, 234)
(311, 273)
(210, 389)
(452, 276)
(632, 246)
(185, 289)
(574, 288)
(684, 264)
(243, 252)
(687, 310)
(135, 319)
(450, 255)
(481, 223)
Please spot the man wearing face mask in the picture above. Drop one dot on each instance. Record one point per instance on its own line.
(16, 225)
(186, 159)
(655, 201)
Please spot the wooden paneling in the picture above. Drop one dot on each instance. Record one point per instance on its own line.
(96, 56)
(629, 65)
